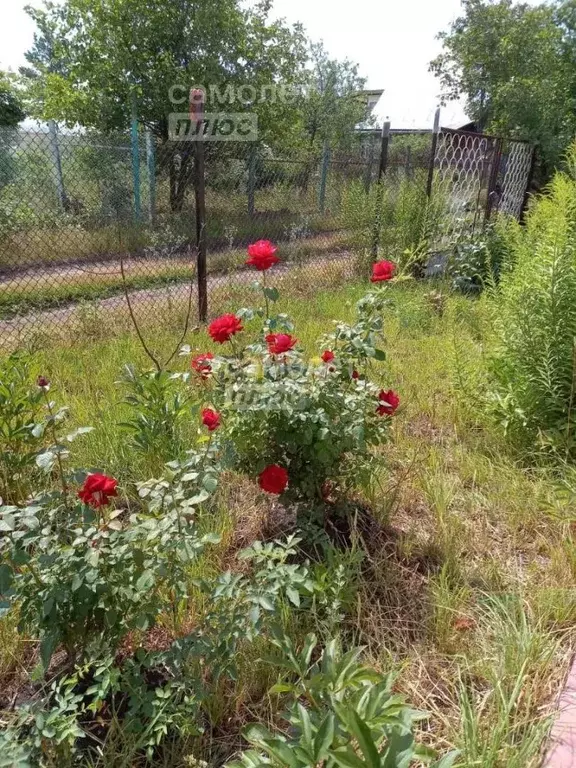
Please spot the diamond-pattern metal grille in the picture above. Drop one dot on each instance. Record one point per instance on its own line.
(517, 164)
(463, 162)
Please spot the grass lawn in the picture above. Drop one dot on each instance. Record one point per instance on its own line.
(465, 584)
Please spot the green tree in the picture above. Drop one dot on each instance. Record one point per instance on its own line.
(11, 109)
(11, 113)
(331, 105)
(107, 55)
(514, 63)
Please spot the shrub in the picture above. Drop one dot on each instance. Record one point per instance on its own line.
(84, 575)
(158, 409)
(29, 420)
(303, 426)
(478, 261)
(533, 359)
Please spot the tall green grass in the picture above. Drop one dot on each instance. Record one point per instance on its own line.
(532, 356)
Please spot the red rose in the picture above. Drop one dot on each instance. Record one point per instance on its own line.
(262, 255)
(382, 270)
(201, 365)
(210, 419)
(328, 356)
(389, 401)
(223, 328)
(273, 479)
(97, 489)
(42, 382)
(279, 343)
(355, 375)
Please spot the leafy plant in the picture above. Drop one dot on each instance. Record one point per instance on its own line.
(533, 358)
(155, 693)
(85, 576)
(159, 408)
(20, 431)
(477, 262)
(318, 419)
(30, 443)
(341, 713)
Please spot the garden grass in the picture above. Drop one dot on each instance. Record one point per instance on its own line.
(467, 591)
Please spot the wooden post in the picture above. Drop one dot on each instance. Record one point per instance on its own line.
(135, 160)
(197, 116)
(382, 165)
(151, 165)
(433, 149)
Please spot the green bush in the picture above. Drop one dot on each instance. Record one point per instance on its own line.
(341, 714)
(478, 260)
(409, 222)
(318, 419)
(533, 358)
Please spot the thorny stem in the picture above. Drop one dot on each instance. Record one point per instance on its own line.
(264, 286)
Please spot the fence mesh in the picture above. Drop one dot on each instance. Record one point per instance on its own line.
(88, 220)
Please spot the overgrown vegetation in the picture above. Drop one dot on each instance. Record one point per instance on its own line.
(531, 361)
(179, 609)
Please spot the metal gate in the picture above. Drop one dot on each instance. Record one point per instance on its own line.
(479, 175)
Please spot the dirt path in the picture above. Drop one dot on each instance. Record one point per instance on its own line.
(147, 303)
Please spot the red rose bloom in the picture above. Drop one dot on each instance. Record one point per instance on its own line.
(382, 270)
(223, 328)
(355, 375)
(273, 479)
(262, 255)
(42, 382)
(210, 419)
(97, 489)
(279, 343)
(328, 356)
(389, 401)
(201, 365)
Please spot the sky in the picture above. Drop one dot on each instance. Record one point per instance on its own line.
(392, 40)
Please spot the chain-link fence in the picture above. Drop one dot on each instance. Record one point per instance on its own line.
(88, 222)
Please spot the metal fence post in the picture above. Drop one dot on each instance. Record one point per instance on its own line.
(368, 174)
(197, 116)
(135, 160)
(433, 148)
(151, 165)
(491, 191)
(58, 176)
(383, 164)
(251, 178)
(324, 176)
(528, 185)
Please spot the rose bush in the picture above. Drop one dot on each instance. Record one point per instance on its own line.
(301, 425)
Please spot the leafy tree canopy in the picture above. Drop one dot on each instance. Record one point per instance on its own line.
(516, 65)
(11, 110)
(91, 58)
